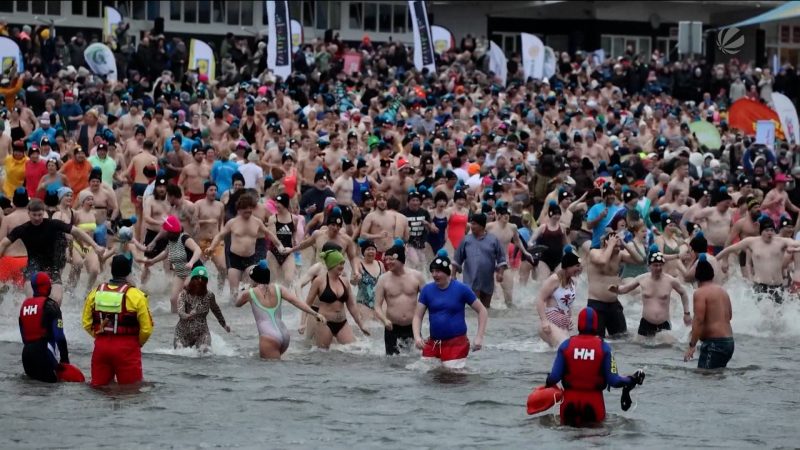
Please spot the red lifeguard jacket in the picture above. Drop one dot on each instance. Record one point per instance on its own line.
(31, 318)
(584, 364)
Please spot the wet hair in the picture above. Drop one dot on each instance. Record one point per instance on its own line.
(173, 190)
(198, 287)
(245, 201)
(36, 205)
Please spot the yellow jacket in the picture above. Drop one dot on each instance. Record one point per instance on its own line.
(135, 302)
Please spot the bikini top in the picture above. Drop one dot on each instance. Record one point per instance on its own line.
(328, 296)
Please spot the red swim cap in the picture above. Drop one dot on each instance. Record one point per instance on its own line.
(41, 284)
(172, 225)
(587, 321)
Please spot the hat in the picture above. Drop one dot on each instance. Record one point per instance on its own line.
(698, 244)
(786, 221)
(704, 271)
(41, 284)
(45, 118)
(83, 196)
(335, 217)
(402, 164)
(655, 255)
(765, 224)
(260, 273)
(64, 190)
(398, 251)
(172, 225)
(20, 198)
(553, 208)
(441, 262)
(346, 164)
(479, 218)
(332, 258)
(200, 272)
(587, 321)
(365, 244)
(781, 178)
(569, 259)
(283, 199)
(125, 234)
(474, 168)
(120, 266)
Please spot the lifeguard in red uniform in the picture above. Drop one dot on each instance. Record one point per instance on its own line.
(585, 366)
(117, 315)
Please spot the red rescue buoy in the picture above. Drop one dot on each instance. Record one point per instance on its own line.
(543, 398)
(70, 374)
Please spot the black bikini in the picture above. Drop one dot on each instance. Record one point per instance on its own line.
(328, 296)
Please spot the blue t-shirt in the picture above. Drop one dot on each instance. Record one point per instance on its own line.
(594, 213)
(446, 309)
(222, 174)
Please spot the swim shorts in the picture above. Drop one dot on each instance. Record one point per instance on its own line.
(775, 293)
(241, 263)
(649, 329)
(402, 333)
(452, 352)
(714, 249)
(205, 244)
(715, 353)
(137, 193)
(610, 317)
(195, 197)
(12, 270)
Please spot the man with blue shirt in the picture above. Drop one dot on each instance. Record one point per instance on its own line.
(222, 172)
(445, 299)
(44, 131)
(601, 214)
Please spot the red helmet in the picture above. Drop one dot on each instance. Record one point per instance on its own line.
(41, 284)
(587, 321)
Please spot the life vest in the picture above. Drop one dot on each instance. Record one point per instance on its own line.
(584, 364)
(110, 314)
(31, 316)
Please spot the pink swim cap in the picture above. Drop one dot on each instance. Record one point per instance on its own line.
(262, 90)
(172, 225)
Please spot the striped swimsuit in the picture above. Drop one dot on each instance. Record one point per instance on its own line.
(561, 314)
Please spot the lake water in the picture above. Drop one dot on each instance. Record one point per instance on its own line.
(355, 397)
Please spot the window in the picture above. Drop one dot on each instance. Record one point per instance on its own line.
(123, 7)
(190, 11)
(9, 6)
(204, 11)
(385, 18)
(507, 41)
(370, 17)
(322, 15)
(295, 11)
(22, 5)
(174, 11)
(139, 10)
(400, 14)
(335, 21)
(247, 13)
(93, 8)
(38, 7)
(233, 13)
(616, 46)
(308, 13)
(219, 11)
(153, 9)
(77, 8)
(356, 16)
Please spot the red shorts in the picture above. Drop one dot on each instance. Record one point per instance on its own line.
(118, 356)
(195, 197)
(378, 256)
(452, 352)
(581, 408)
(514, 261)
(12, 270)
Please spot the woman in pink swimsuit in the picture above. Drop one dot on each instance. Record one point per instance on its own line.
(556, 297)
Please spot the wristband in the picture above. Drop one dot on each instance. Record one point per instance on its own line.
(686, 313)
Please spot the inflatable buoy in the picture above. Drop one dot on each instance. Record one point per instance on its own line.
(543, 398)
(70, 374)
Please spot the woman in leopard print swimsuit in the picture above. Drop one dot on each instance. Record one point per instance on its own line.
(194, 302)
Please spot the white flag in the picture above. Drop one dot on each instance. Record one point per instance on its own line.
(101, 60)
(788, 115)
(498, 63)
(549, 62)
(442, 39)
(297, 35)
(279, 39)
(111, 20)
(9, 52)
(201, 58)
(423, 42)
(532, 56)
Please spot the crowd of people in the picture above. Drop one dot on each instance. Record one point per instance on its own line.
(389, 193)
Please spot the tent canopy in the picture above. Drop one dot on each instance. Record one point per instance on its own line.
(789, 10)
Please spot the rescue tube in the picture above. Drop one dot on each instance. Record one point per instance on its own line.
(70, 374)
(543, 398)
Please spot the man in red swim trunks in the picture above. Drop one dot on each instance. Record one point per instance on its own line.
(585, 366)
